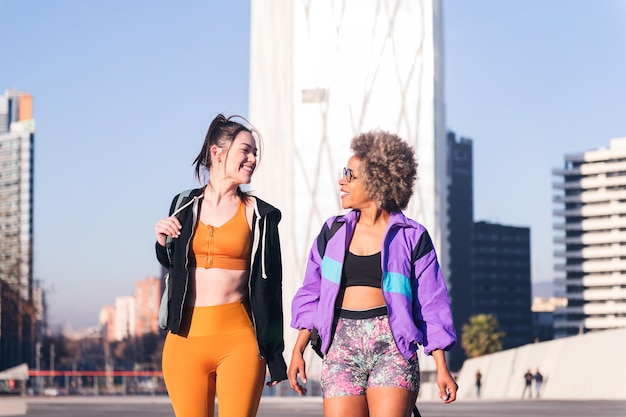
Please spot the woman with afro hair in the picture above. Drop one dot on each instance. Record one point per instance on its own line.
(373, 291)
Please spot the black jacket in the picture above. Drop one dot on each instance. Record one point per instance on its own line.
(264, 283)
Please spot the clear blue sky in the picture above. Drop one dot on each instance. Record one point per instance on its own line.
(124, 91)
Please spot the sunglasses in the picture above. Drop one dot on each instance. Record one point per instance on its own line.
(348, 174)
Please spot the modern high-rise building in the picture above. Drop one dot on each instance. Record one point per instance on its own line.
(147, 301)
(501, 281)
(590, 239)
(489, 263)
(125, 317)
(460, 232)
(18, 315)
(322, 72)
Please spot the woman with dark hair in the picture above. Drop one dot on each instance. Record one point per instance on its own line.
(374, 292)
(225, 302)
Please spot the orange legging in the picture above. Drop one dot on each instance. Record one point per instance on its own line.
(220, 355)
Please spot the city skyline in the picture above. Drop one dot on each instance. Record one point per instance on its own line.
(122, 113)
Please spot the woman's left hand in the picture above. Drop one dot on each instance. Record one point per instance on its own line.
(445, 382)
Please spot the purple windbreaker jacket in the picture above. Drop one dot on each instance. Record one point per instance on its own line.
(416, 295)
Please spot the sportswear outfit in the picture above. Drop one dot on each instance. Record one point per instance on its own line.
(223, 348)
(416, 297)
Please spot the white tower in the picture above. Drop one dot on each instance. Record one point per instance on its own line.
(323, 71)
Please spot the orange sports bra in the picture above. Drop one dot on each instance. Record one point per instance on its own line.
(227, 246)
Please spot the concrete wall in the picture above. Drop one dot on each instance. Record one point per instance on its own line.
(589, 366)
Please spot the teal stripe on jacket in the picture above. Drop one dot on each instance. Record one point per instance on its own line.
(398, 283)
(331, 270)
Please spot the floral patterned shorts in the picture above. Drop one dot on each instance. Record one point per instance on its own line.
(364, 355)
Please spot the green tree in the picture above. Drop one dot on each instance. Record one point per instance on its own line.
(481, 336)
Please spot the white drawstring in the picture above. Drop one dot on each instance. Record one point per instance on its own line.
(263, 274)
(186, 205)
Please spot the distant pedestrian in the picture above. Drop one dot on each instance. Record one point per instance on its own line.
(538, 382)
(478, 383)
(528, 382)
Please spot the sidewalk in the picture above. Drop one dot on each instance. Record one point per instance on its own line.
(159, 406)
(12, 406)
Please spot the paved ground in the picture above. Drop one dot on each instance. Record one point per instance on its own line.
(312, 407)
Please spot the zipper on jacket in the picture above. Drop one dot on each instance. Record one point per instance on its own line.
(194, 213)
(382, 260)
(382, 283)
(253, 255)
(335, 320)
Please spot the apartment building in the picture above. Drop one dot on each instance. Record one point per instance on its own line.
(590, 240)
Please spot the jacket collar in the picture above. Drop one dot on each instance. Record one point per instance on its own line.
(262, 208)
(266, 209)
(396, 218)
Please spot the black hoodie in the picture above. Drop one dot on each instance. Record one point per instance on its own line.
(264, 284)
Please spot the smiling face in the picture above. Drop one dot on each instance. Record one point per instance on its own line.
(239, 161)
(353, 195)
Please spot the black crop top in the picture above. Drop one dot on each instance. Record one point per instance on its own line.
(362, 270)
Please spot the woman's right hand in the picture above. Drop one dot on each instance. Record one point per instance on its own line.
(297, 366)
(169, 226)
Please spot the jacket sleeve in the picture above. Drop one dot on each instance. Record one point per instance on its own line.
(276, 345)
(432, 304)
(304, 304)
(161, 252)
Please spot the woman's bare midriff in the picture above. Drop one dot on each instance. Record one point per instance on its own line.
(362, 298)
(215, 286)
